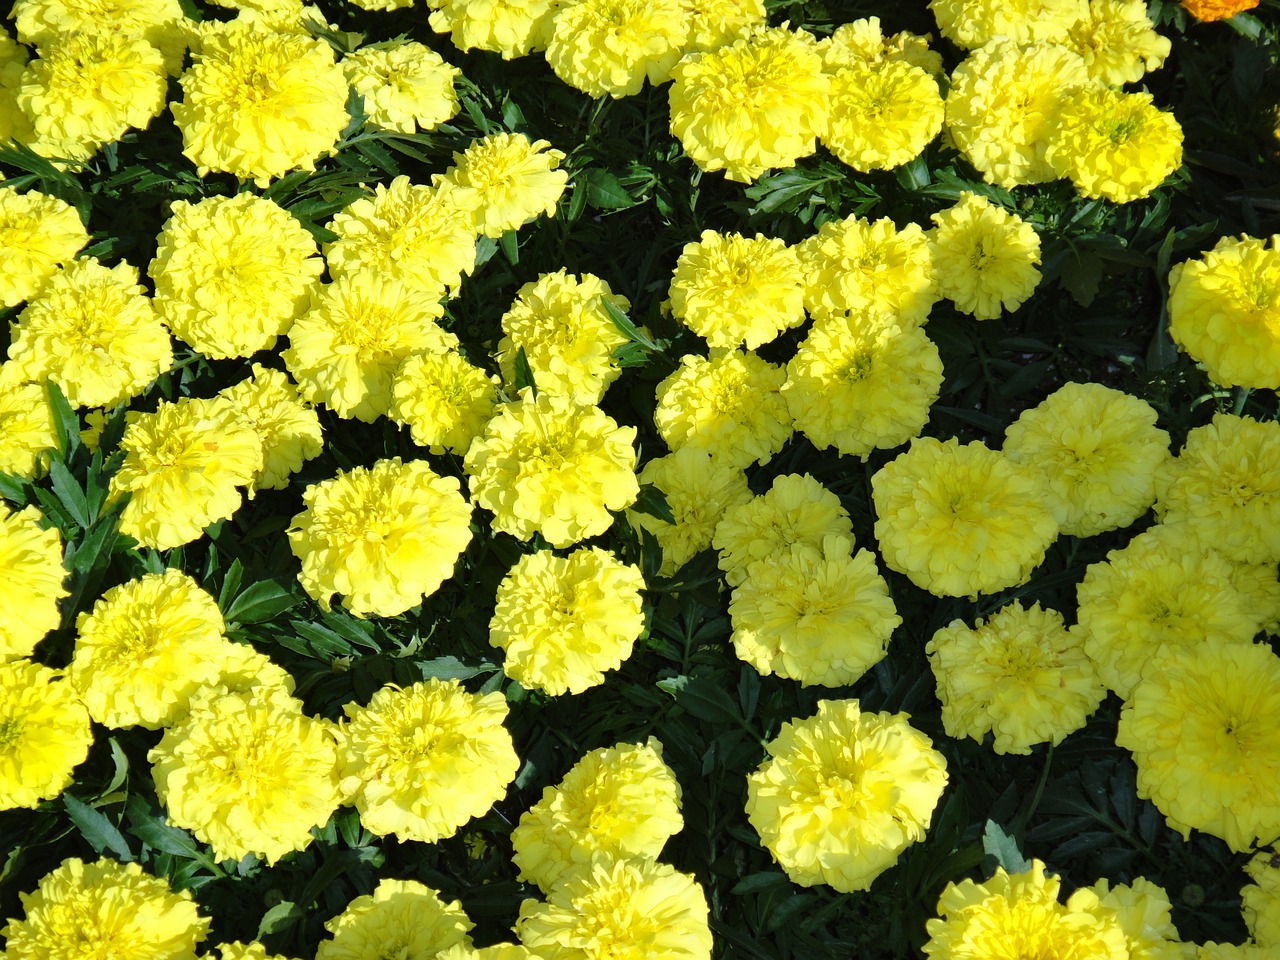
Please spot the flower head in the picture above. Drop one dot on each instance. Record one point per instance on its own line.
(27, 435)
(562, 622)
(1118, 42)
(14, 124)
(1201, 726)
(288, 428)
(511, 180)
(1261, 899)
(843, 793)
(972, 23)
(233, 273)
(421, 761)
(883, 114)
(31, 558)
(44, 733)
(1209, 10)
(404, 919)
(1142, 909)
(717, 23)
(611, 46)
(161, 23)
(960, 520)
(984, 258)
(863, 41)
(549, 465)
(443, 399)
(38, 233)
(513, 28)
(406, 85)
(620, 802)
(1019, 674)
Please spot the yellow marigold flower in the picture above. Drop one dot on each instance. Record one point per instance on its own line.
(510, 180)
(443, 399)
(37, 234)
(1201, 726)
(796, 511)
(843, 793)
(1019, 674)
(1018, 915)
(820, 616)
(699, 488)
(407, 232)
(1142, 909)
(882, 114)
(512, 28)
(960, 520)
(145, 648)
(1118, 42)
(14, 124)
(420, 762)
(567, 336)
(862, 41)
(1259, 584)
(1232, 951)
(498, 951)
(288, 428)
(856, 266)
(406, 85)
(246, 951)
(44, 733)
(1099, 450)
(88, 89)
(258, 104)
(182, 467)
(1114, 145)
(970, 24)
(562, 622)
(1225, 484)
(717, 23)
(43, 23)
(735, 291)
(1004, 103)
(27, 437)
(1209, 10)
(610, 46)
(232, 273)
(31, 558)
(1224, 311)
(383, 536)
(1261, 899)
(617, 803)
(1165, 589)
(548, 465)
(344, 350)
(984, 257)
(621, 909)
(757, 103)
(858, 385)
(93, 331)
(80, 909)
(401, 918)
(730, 406)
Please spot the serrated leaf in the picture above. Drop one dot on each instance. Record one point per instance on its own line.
(702, 699)
(322, 642)
(260, 601)
(451, 668)
(230, 582)
(14, 489)
(66, 424)
(283, 915)
(1003, 848)
(626, 327)
(152, 829)
(100, 832)
(603, 190)
(653, 501)
(69, 493)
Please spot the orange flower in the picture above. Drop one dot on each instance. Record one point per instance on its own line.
(1207, 10)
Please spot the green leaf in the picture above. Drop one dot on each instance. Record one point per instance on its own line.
(260, 601)
(451, 668)
(626, 327)
(603, 190)
(1003, 848)
(69, 493)
(230, 582)
(283, 915)
(653, 501)
(100, 832)
(767, 881)
(14, 489)
(1082, 276)
(509, 244)
(524, 373)
(66, 425)
(320, 641)
(151, 828)
(702, 699)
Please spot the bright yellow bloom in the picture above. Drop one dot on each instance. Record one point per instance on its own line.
(961, 520)
(611, 46)
(1225, 484)
(620, 803)
(512, 28)
(420, 762)
(717, 23)
(972, 23)
(1209, 10)
(1118, 41)
(560, 322)
(383, 537)
(843, 793)
(44, 733)
(344, 350)
(1142, 910)
(510, 180)
(27, 436)
(406, 85)
(548, 465)
(862, 41)
(92, 330)
(497, 951)
(882, 114)
(1201, 726)
(1018, 915)
(14, 124)
(1019, 674)
(246, 951)
(258, 104)
(247, 773)
(1224, 311)
(858, 385)
(856, 266)
(698, 488)
(31, 558)
(233, 273)
(796, 511)
(1099, 450)
(145, 648)
(443, 399)
(730, 406)
(622, 910)
(182, 467)
(984, 257)
(1261, 899)
(43, 23)
(757, 103)
(289, 430)
(562, 622)
(80, 910)
(37, 234)
(404, 919)
(736, 291)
